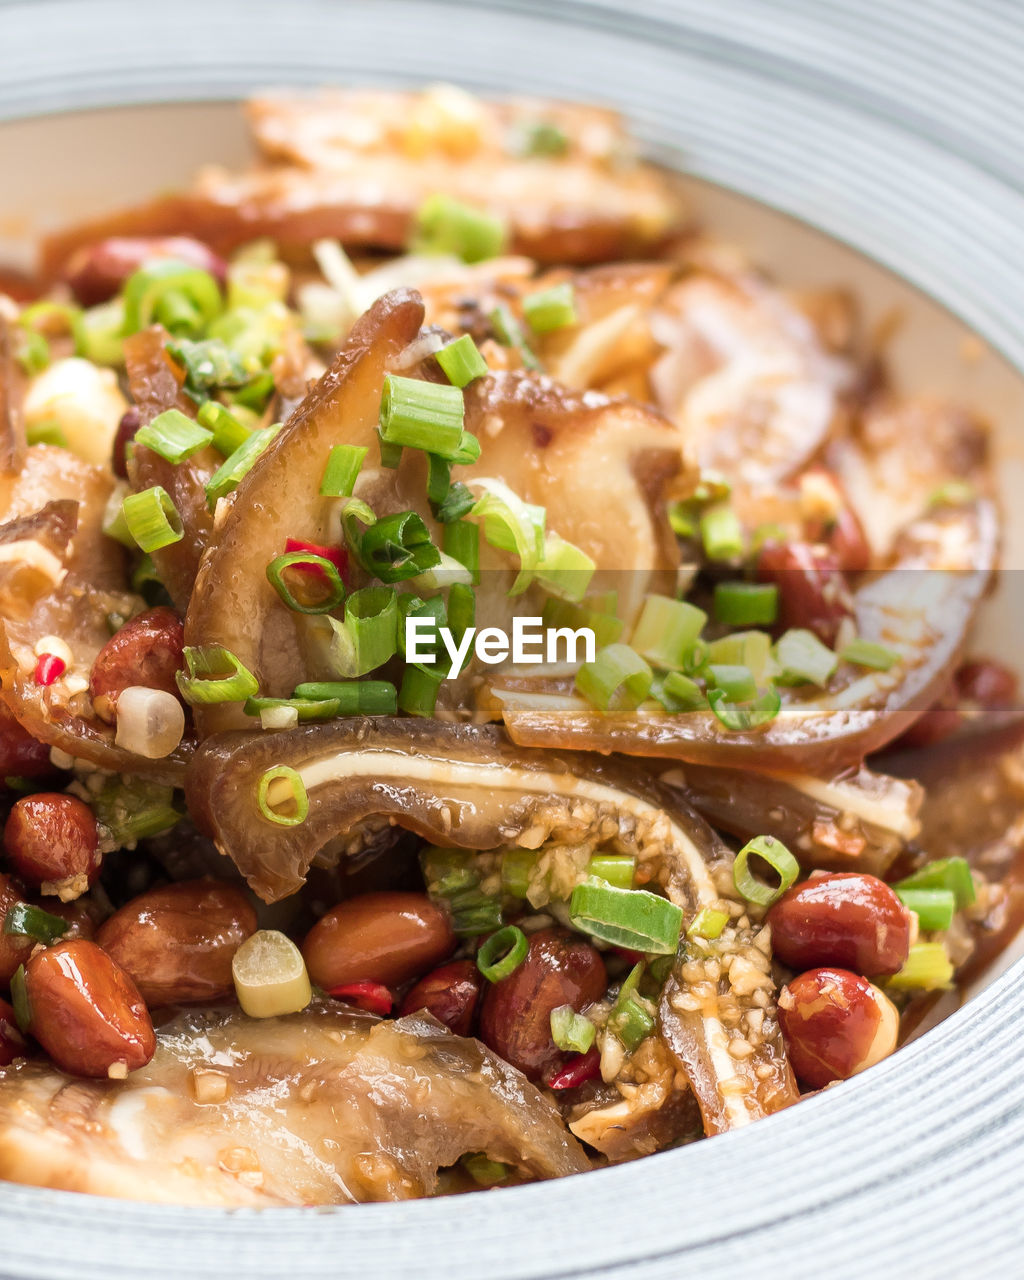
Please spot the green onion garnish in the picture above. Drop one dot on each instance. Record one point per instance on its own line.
(678, 693)
(33, 352)
(556, 614)
(35, 923)
(665, 630)
(517, 868)
(502, 953)
(737, 683)
(746, 604)
(237, 465)
(419, 689)
(564, 570)
(305, 709)
(571, 1031)
(458, 502)
(454, 875)
(422, 415)
(439, 479)
(740, 716)
(445, 225)
(461, 361)
(779, 859)
(99, 335)
(943, 873)
(868, 653)
(954, 493)
(934, 908)
(484, 1171)
(616, 869)
(343, 465)
(721, 532)
(551, 309)
(707, 923)
(543, 138)
(369, 635)
(629, 1019)
(630, 918)
(131, 809)
(322, 589)
(750, 649)
(48, 432)
(152, 518)
(512, 525)
(19, 999)
(617, 681)
(509, 333)
(214, 675)
(353, 697)
(228, 433)
(804, 659)
(397, 547)
(296, 796)
(461, 541)
(927, 968)
(461, 610)
(182, 298)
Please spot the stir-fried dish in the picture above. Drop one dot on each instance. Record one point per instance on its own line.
(484, 679)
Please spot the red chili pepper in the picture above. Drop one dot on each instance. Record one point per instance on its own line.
(338, 556)
(49, 668)
(577, 1071)
(374, 997)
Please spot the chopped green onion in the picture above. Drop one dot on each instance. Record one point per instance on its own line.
(740, 716)
(305, 709)
(943, 873)
(615, 868)
(152, 519)
(439, 479)
(47, 432)
(721, 532)
(678, 693)
(35, 923)
(927, 968)
(343, 465)
(804, 659)
(325, 581)
(617, 681)
(571, 1031)
(181, 297)
(447, 226)
(237, 465)
(454, 875)
(214, 675)
(551, 309)
(397, 547)
(19, 999)
(543, 138)
(630, 918)
(131, 809)
(461, 361)
(934, 908)
(228, 433)
(297, 797)
(630, 1020)
(458, 502)
(564, 570)
(556, 614)
(517, 868)
(33, 353)
(955, 493)
(509, 333)
(461, 610)
(99, 334)
(422, 415)
(683, 519)
(353, 697)
(737, 683)
(208, 365)
(868, 653)
(665, 630)
(468, 451)
(484, 1171)
(173, 436)
(369, 635)
(510, 524)
(749, 886)
(461, 540)
(418, 693)
(695, 659)
(502, 953)
(750, 649)
(707, 923)
(746, 604)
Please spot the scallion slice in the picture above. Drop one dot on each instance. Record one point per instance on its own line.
(447, 226)
(421, 415)
(228, 433)
(721, 532)
(305, 709)
(543, 138)
(740, 716)
(279, 790)
(461, 361)
(353, 697)
(927, 968)
(174, 436)
(213, 674)
(707, 923)
(556, 614)
(397, 547)
(631, 918)
(943, 873)
(369, 635)
(934, 908)
(34, 922)
(517, 868)
(19, 999)
(804, 659)
(868, 653)
(751, 649)
(461, 540)
(571, 1031)
(48, 431)
(502, 953)
(509, 333)
(630, 1020)
(617, 869)
(152, 518)
(183, 298)
(484, 1171)
(323, 589)
(439, 479)
(417, 695)
(237, 466)
(343, 466)
(510, 524)
(736, 682)
(551, 309)
(665, 630)
(564, 570)
(778, 858)
(617, 681)
(746, 604)
(678, 693)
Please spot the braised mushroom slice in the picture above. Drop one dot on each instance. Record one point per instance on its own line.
(468, 787)
(921, 608)
(326, 1106)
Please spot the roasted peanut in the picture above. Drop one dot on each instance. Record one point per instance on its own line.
(451, 993)
(177, 943)
(515, 1019)
(987, 684)
(12, 1042)
(847, 919)
(389, 938)
(97, 271)
(15, 948)
(147, 651)
(81, 915)
(125, 434)
(813, 592)
(86, 1012)
(835, 1024)
(51, 838)
(21, 755)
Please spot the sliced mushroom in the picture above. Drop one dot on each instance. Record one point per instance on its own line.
(327, 1106)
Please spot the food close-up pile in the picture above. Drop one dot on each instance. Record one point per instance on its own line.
(296, 914)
